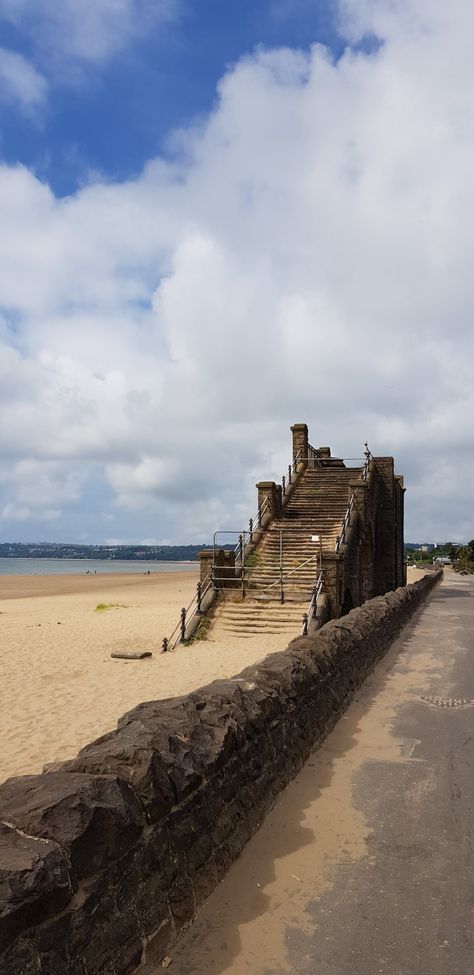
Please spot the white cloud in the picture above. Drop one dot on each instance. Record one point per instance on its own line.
(86, 30)
(306, 256)
(20, 82)
(66, 38)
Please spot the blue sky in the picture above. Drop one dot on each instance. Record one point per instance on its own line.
(216, 220)
(111, 115)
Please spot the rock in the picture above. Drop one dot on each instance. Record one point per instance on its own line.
(34, 881)
(94, 818)
(132, 754)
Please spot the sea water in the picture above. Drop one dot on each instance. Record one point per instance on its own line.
(46, 567)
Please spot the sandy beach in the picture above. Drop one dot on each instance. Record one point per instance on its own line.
(60, 688)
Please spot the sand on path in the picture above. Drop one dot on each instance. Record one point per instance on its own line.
(59, 687)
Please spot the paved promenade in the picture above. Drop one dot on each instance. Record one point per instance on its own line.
(365, 864)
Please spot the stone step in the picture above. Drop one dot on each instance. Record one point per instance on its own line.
(262, 624)
(287, 615)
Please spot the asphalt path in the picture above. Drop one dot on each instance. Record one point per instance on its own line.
(365, 864)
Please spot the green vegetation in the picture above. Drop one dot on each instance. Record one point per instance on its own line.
(103, 607)
(202, 630)
(426, 553)
(461, 556)
(465, 558)
(134, 553)
(252, 560)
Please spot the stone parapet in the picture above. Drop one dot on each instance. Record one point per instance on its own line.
(269, 497)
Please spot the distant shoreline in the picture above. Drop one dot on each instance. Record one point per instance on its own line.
(84, 558)
(96, 567)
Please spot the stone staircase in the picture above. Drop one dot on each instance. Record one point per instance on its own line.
(247, 618)
(316, 507)
(293, 536)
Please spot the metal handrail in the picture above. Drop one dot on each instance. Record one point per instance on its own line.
(239, 549)
(345, 522)
(313, 452)
(368, 459)
(287, 479)
(288, 574)
(356, 463)
(352, 502)
(311, 612)
(185, 619)
(277, 582)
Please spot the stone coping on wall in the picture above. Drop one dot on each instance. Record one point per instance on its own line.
(104, 859)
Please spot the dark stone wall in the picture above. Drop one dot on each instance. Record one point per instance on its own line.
(105, 858)
(385, 567)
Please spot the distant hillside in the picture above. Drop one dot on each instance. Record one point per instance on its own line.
(135, 553)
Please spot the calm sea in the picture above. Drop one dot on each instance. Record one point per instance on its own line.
(46, 567)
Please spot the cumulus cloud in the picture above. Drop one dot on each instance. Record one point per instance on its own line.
(303, 254)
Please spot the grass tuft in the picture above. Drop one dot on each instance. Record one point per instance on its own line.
(103, 607)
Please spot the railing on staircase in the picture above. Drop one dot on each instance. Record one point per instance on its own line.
(368, 460)
(311, 611)
(287, 479)
(345, 523)
(255, 524)
(313, 459)
(188, 614)
(352, 501)
(280, 583)
(239, 574)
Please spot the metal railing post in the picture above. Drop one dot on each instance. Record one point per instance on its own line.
(164, 646)
(259, 516)
(182, 625)
(198, 597)
(289, 473)
(251, 529)
(305, 624)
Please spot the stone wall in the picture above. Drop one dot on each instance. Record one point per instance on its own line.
(105, 858)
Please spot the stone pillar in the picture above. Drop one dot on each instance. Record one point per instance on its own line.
(300, 440)
(224, 574)
(385, 575)
(279, 499)
(206, 558)
(268, 492)
(333, 565)
(399, 506)
(224, 567)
